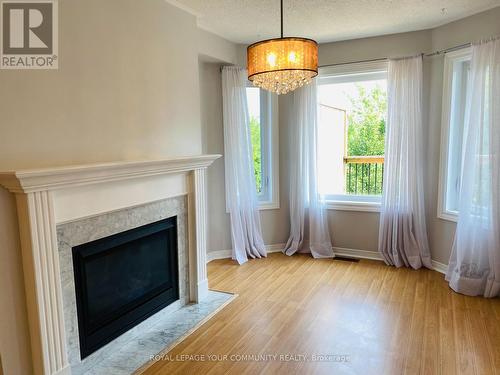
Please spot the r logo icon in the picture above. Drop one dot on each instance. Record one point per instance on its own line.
(29, 35)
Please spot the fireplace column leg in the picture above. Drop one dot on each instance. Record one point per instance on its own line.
(42, 283)
(197, 212)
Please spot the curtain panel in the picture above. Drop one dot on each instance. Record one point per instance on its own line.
(308, 222)
(474, 267)
(241, 190)
(402, 233)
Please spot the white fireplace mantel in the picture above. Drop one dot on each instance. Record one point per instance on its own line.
(37, 193)
(32, 180)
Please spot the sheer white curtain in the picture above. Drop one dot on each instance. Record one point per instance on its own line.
(308, 222)
(241, 191)
(402, 232)
(474, 267)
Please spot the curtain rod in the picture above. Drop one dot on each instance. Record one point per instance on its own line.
(435, 53)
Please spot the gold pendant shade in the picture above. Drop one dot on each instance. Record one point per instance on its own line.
(283, 64)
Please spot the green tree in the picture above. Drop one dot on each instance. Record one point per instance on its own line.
(366, 137)
(366, 122)
(257, 162)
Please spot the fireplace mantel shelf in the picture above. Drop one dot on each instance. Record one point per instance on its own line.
(32, 180)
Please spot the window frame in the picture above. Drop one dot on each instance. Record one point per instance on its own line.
(449, 60)
(269, 128)
(335, 74)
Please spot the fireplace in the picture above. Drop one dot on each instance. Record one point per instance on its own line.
(123, 279)
(60, 208)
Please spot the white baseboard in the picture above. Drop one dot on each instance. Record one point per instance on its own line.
(375, 255)
(225, 254)
(220, 254)
(356, 253)
(339, 251)
(439, 267)
(275, 248)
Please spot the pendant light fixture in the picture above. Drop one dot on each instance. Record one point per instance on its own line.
(282, 64)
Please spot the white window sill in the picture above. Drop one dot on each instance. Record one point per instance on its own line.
(448, 215)
(263, 206)
(269, 206)
(353, 206)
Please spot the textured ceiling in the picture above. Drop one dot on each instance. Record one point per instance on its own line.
(245, 21)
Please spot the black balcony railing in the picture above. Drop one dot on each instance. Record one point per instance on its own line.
(364, 174)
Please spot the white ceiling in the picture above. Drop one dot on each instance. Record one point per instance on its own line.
(246, 21)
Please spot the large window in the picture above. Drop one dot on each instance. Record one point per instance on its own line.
(264, 136)
(352, 117)
(455, 89)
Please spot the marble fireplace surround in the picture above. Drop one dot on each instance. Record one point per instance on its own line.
(50, 197)
(82, 231)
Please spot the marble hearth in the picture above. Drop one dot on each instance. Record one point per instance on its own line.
(65, 206)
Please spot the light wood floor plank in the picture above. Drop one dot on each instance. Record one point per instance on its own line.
(386, 320)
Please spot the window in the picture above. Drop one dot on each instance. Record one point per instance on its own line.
(351, 144)
(455, 89)
(264, 136)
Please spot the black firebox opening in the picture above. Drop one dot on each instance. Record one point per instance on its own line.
(123, 279)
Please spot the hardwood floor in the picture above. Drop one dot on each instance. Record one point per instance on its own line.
(385, 320)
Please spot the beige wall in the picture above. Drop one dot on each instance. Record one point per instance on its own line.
(219, 235)
(214, 53)
(470, 29)
(212, 48)
(274, 222)
(127, 87)
(14, 336)
(395, 45)
(346, 226)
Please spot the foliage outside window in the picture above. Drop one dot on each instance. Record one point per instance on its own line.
(255, 134)
(366, 137)
(263, 127)
(455, 89)
(254, 112)
(352, 123)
